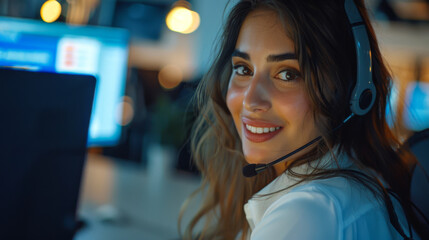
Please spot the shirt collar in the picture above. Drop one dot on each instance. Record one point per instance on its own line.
(255, 208)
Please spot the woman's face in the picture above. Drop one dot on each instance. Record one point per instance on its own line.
(266, 93)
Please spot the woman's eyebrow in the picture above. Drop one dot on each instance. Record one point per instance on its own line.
(281, 57)
(238, 53)
(270, 58)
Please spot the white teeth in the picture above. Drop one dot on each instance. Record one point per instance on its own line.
(259, 130)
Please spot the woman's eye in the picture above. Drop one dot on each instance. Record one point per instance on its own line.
(288, 75)
(242, 70)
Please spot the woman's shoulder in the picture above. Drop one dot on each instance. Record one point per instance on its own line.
(342, 190)
(301, 213)
(349, 199)
(318, 200)
(331, 207)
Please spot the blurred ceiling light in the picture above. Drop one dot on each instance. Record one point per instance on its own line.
(50, 11)
(170, 76)
(195, 23)
(182, 19)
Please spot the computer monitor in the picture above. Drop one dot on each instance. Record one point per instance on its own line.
(44, 128)
(61, 48)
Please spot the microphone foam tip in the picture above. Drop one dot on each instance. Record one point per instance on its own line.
(249, 170)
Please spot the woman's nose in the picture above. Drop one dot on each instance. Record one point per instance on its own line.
(257, 95)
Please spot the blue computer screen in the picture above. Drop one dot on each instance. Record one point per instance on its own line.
(416, 110)
(58, 47)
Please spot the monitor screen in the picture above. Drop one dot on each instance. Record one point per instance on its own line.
(416, 111)
(61, 48)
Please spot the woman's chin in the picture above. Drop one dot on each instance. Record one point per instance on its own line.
(257, 159)
(262, 157)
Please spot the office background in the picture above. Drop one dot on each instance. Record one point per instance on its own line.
(138, 170)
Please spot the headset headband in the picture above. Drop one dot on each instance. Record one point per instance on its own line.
(363, 94)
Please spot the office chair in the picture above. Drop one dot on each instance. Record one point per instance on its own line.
(418, 143)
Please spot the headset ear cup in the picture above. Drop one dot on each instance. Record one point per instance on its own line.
(365, 99)
(362, 100)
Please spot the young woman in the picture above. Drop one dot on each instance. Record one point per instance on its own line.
(283, 77)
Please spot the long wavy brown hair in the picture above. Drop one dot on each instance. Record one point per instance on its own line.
(325, 49)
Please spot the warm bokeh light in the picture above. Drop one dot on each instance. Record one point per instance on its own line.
(125, 111)
(195, 23)
(170, 76)
(181, 19)
(50, 11)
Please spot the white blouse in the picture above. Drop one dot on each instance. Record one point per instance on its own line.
(333, 208)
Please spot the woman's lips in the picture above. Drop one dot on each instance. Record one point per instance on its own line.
(258, 131)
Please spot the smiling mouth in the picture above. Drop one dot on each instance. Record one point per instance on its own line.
(260, 134)
(261, 130)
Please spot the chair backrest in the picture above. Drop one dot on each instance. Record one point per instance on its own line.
(419, 145)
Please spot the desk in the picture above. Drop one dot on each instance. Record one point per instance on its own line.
(121, 200)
